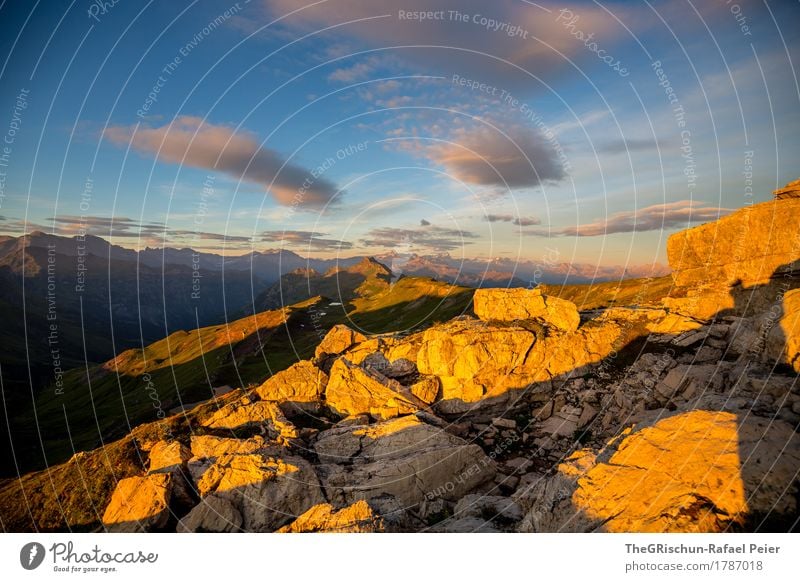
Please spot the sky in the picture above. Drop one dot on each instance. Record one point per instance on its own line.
(509, 129)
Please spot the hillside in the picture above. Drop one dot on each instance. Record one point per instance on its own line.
(98, 403)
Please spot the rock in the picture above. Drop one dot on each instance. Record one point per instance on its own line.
(464, 525)
(212, 514)
(171, 457)
(353, 390)
(525, 304)
(167, 457)
(400, 368)
(356, 518)
(558, 426)
(783, 339)
(743, 337)
(791, 190)
(403, 458)
(139, 504)
(338, 340)
(746, 247)
(267, 490)
(491, 369)
(504, 422)
(246, 414)
(698, 471)
(426, 389)
(488, 507)
(707, 354)
(299, 387)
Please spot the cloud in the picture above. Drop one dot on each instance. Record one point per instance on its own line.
(523, 158)
(518, 220)
(524, 34)
(630, 145)
(193, 142)
(656, 217)
(428, 237)
(124, 227)
(305, 239)
(424, 222)
(357, 72)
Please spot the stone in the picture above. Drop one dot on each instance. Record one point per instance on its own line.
(356, 518)
(504, 422)
(247, 414)
(299, 386)
(212, 514)
(746, 247)
(783, 339)
(139, 504)
(404, 458)
(698, 471)
(488, 507)
(267, 490)
(791, 190)
(464, 525)
(707, 354)
(519, 304)
(426, 389)
(558, 426)
(338, 340)
(167, 457)
(354, 390)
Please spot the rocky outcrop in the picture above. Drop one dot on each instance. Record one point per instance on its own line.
(747, 247)
(525, 304)
(339, 339)
(266, 486)
(481, 366)
(699, 471)
(356, 518)
(212, 514)
(403, 458)
(139, 504)
(245, 413)
(791, 190)
(297, 388)
(356, 390)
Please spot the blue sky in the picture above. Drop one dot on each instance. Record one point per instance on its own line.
(505, 129)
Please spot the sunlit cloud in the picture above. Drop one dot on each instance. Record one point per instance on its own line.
(193, 142)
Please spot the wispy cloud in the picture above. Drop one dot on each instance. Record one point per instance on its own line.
(495, 43)
(518, 220)
(305, 239)
(424, 237)
(655, 217)
(193, 142)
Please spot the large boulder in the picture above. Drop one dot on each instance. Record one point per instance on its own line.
(747, 246)
(404, 458)
(212, 514)
(244, 413)
(698, 471)
(139, 504)
(354, 390)
(491, 366)
(526, 304)
(298, 387)
(266, 486)
(338, 340)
